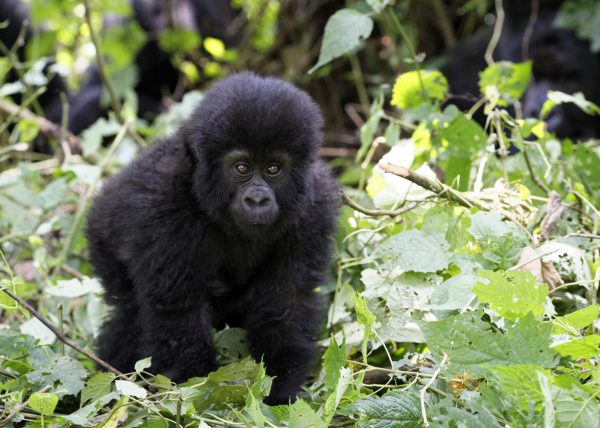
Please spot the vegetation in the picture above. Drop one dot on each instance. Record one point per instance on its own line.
(466, 284)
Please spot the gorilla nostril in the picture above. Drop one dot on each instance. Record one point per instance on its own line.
(250, 202)
(266, 201)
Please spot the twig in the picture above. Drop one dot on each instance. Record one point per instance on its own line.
(114, 100)
(102, 71)
(584, 235)
(496, 34)
(533, 17)
(64, 339)
(435, 186)
(539, 183)
(88, 194)
(47, 127)
(375, 213)
(423, 391)
(445, 191)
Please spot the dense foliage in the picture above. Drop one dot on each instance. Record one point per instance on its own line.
(470, 301)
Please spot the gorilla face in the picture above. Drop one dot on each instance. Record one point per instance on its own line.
(254, 201)
(255, 142)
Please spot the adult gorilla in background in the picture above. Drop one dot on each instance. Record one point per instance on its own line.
(15, 22)
(229, 221)
(561, 62)
(156, 74)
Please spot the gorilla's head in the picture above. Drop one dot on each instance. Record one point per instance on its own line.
(255, 142)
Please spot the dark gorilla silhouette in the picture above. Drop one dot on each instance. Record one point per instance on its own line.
(14, 20)
(156, 74)
(561, 62)
(229, 221)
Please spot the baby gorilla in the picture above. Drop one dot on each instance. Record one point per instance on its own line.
(229, 221)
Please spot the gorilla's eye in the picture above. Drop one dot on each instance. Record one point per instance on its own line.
(242, 168)
(273, 169)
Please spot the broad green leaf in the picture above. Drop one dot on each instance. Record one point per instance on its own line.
(576, 320)
(396, 409)
(130, 389)
(414, 88)
(512, 294)
(582, 347)
(344, 31)
(64, 373)
(97, 386)
(415, 251)
(333, 361)
(82, 416)
(43, 402)
(508, 80)
(303, 416)
(572, 412)
(472, 344)
(490, 225)
(35, 328)
(464, 137)
(520, 381)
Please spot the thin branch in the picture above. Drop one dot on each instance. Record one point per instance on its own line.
(48, 128)
(375, 213)
(102, 71)
(114, 100)
(61, 336)
(445, 191)
(423, 391)
(539, 183)
(88, 194)
(440, 189)
(496, 34)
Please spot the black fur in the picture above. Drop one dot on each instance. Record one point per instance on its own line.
(561, 62)
(174, 261)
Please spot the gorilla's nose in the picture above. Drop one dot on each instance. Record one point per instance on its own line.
(257, 198)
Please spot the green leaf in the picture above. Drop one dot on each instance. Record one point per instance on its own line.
(414, 251)
(521, 382)
(396, 409)
(576, 320)
(464, 137)
(512, 294)
(581, 347)
(43, 403)
(130, 389)
(471, 343)
(333, 361)
(489, 225)
(414, 88)
(344, 31)
(64, 373)
(303, 416)
(182, 41)
(574, 412)
(97, 386)
(505, 82)
(556, 98)
(143, 364)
